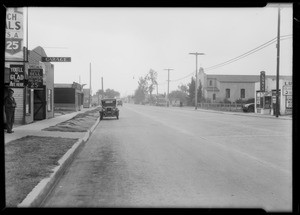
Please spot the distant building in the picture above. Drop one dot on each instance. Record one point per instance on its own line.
(68, 97)
(87, 100)
(217, 88)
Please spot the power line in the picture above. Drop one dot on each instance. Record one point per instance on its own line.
(239, 57)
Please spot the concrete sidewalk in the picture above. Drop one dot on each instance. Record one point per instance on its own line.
(36, 128)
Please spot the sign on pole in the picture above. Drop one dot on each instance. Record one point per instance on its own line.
(56, 59)
(14, 35)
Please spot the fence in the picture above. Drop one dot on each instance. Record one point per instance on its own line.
(237, 107)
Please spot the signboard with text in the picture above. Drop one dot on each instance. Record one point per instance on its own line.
(35, 78)
(16, 76)
(287, 90)
(262, 81)
(14, 34)
(56, 59)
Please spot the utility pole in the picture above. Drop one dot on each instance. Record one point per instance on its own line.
(168, 85)
(278, 60)
(196, 82)
(90, 85)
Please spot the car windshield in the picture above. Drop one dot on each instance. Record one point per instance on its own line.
(108, 103)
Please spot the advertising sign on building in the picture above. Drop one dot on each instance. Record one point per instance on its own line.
(35, 78)
(56, 59)
(287, 90)
(16, 76)
(289, 102)
(262, 81)
(14, 34)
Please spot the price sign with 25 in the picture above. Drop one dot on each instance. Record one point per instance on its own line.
(13, 46)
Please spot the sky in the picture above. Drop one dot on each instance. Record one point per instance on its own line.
(123, 44)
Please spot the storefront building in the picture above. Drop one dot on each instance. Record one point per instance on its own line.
(33, 83)
(265, 97)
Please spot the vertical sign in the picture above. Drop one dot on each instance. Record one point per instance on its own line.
(16, 76)
(262, 81)
(14, 34)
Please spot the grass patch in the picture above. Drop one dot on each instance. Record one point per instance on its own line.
(28, 160)
(79, 123)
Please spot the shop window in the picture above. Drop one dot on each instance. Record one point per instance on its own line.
(49, 98)
(242, 93)
(227, 93)
(28, 100)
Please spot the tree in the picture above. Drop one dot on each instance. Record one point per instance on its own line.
(178, 95)
(151, 78)
(142, 90)
(109, 93)
(191, 92)
(183, 88)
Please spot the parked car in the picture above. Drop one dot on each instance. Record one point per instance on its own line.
(120, 102)
(248, 107)
(109, 108)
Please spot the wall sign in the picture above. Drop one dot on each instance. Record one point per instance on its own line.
(16, 76)
(56, 59)
(35, 78)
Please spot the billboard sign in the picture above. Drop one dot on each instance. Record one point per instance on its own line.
(16, 76)
(14, 34)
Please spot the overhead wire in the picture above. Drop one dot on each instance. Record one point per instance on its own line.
(264, 45)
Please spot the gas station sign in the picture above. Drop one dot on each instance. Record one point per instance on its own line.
(14, 34)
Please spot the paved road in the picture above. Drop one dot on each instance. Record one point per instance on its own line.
(168, 157)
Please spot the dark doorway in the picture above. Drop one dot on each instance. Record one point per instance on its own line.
(39, 104)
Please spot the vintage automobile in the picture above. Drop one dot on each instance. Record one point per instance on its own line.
(109, 108)
(248, 107)
(120, 102)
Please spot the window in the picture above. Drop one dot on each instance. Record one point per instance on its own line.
(214, 96)
(242, 93)
(227, 93)
(210, 83)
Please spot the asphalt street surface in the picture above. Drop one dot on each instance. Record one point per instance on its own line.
(172, 157)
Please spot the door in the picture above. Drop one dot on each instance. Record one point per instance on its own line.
(39, 104)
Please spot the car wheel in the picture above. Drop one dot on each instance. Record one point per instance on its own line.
(250, 109)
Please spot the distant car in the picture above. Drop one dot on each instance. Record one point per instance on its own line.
(120, 102)
(248, 107)
(109, 108)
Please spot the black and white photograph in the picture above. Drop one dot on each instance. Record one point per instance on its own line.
(149, 107)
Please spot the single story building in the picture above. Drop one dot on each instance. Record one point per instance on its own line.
(68, 97)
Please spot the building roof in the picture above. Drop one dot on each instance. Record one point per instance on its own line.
(243, 78)
(63, 86)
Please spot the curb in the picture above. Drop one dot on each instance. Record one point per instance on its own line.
(39, 193)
